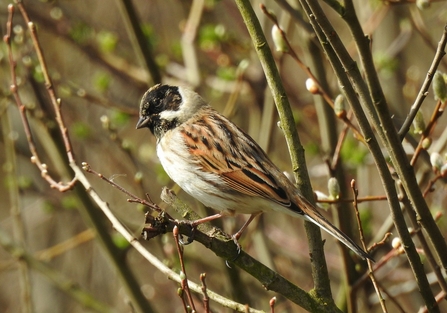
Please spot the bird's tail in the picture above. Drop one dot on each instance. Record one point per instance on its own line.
(311, 214)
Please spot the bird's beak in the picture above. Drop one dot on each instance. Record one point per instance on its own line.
(142, 122)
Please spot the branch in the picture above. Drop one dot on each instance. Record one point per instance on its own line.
(296, 150)
(223, 246)
(89, 210)
(377, 107)
(138, 40)
(423, 92)
(345, 67)
(163, 224)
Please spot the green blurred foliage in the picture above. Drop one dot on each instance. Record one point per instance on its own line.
(102, 81)
(120, 241)
(119, 118)
(353, 152)
(211, 36)
(70, 202)
(80, 130)
(107, 41)
(81, 33)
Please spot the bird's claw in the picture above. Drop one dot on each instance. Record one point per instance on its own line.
(238, 248)
(238, 245)
(190, 237)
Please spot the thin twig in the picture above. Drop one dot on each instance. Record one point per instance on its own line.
(138, 40)
(272, 303)
(22, 108)
(309, 73)
(206, 299)
(380, 263)
(296, 150)
(437, 113)
(391, 298)
(134, 199)
(439, 298)
(375, 245)
(341, 139)
(431, 183)
(185, 287)
(55, 101)
(423, 92)
(355, 193)
(349, 200)
(426, 248)
(16, 202)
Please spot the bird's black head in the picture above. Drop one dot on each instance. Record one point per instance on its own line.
(165, 107)
(159, 99)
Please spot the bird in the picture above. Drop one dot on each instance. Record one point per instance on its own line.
(219, 164)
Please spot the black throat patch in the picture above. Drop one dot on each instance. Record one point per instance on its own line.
(156, 100)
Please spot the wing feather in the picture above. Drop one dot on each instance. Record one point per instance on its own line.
(220, 147)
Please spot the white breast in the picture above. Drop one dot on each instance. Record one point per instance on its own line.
(180, 167)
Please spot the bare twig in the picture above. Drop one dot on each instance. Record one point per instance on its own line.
(138, 40)
(16, 211)
(206, 299)
(55, 101)
(391, 297)
(375, 245)
(362, 239)
(423, 92)
(86, 167)
(341, 139)
(431, 183)
(349, 200)
(425, 246)
(439, 298)
(22, 109)
(320, 90)
(185, 287)
(437, 113)
(272, 304)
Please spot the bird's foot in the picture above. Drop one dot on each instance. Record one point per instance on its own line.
(191, 235)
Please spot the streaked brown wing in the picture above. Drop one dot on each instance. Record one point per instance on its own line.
(219, 147)
(255, 183)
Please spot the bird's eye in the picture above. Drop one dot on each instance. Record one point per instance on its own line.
(157, 105)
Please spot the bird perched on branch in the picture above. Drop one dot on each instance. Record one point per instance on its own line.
(220, 165)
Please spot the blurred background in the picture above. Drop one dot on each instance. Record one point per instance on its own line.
(100, 76)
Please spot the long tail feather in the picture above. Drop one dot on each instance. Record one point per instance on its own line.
(309, 213)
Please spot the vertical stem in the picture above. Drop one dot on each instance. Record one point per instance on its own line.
(296, 150)
(16, 212)
(139, 42)
(345, 67)
(376, 104)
